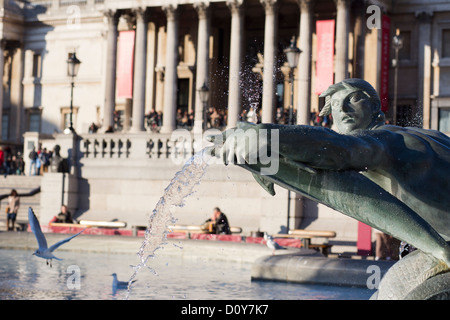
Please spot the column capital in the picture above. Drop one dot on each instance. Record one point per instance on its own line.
(140, 13)
(202, 9)
(305, 5)
(112, 16)
(235, 6)
(171, 11)
(424, 16)
(343, 3)
(270, 6)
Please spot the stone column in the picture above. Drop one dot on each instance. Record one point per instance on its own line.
(424, 69)
(16, 97)
(140, 59)
(304, 65)
(359, 39)
(270, 49)
(2, 64)
(342, 30)
(202, 76)
(159, 68)
(152, 45)
(234, 90)
(170, 79)
(111, 61)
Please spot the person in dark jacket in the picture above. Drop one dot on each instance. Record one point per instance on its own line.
(218, 223)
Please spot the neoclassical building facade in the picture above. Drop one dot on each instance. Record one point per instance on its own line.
(137, 56)
(142, 55)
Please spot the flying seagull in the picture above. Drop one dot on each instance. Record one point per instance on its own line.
(272, 244)
(44, 251)
(116, 284)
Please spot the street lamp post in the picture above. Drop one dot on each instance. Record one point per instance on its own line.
(292, 55)
(203, 92)
(72, 70)
(397, 43)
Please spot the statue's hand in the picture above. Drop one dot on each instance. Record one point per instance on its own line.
(237, 145)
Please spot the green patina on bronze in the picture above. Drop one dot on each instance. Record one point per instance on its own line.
(392, 178)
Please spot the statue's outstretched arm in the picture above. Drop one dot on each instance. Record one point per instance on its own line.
(323, 148)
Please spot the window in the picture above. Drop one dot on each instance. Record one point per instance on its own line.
(34, 122)
(446, 43)
(444, 120)
(65, 117)
(37, 65)
(34, 119)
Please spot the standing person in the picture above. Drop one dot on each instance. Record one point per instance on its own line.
(7, 160)
(20, 165)
(45, 160)
(2, 159)
(33, 157)
(383, 246)
(38, 165)
(12, 209)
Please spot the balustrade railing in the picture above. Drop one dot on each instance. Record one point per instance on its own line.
(153, 146)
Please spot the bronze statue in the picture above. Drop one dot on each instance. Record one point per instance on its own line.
(392, 178)
(58, 163)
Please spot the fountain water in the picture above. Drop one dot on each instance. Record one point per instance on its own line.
(181, 187)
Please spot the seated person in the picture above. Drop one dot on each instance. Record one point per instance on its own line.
(218, 223)
(63, 217)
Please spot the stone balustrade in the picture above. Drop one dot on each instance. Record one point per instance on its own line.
(153, 146)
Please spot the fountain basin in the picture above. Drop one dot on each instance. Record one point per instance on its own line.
(308, 266)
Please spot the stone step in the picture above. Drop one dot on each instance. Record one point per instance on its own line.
(20, 180)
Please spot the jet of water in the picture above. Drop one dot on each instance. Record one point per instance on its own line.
(181, 187)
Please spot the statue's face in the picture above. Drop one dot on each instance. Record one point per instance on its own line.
(351, 109)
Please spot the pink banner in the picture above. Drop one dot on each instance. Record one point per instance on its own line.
(384, 76)
(325, 55)
(364, 243)
(125, 55)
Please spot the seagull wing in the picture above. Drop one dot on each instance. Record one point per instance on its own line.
(60, 243)
(277, 245)
(272, 244)
(36, 228)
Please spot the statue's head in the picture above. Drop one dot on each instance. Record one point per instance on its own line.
(57, 149)
(354, 104)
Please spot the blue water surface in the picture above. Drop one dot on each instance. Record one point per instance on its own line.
(87, 276)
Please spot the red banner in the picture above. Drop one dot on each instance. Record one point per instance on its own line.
(384, 76)
(325, 55)
(125, 55)
(364, 243)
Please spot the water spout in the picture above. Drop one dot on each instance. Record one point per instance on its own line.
(181, 187)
